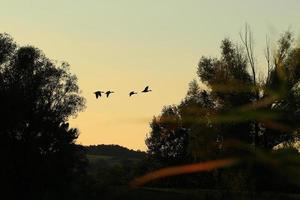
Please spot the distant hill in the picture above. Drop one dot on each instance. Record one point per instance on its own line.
(110, 162)
(114, 151)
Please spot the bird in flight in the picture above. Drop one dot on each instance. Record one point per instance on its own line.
(146, 89)
(98, 94)
(132, 93)
(108, 93)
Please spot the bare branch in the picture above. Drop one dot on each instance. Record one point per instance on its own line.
(247, 40)
(268, 57)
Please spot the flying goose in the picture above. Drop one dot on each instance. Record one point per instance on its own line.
(98, 94)
(132, 93)
(146, 89)
(108, 93)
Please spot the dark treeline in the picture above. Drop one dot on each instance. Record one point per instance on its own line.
(237, 115)
(113, 150)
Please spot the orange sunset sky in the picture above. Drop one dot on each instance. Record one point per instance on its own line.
(125, 45)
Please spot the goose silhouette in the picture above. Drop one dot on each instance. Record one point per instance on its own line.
(108, 93)
(132, 93)
(98, 94)
(146, 89)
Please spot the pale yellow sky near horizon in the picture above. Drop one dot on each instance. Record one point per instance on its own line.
(125, 45)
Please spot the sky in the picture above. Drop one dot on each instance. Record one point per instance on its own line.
(126, 45)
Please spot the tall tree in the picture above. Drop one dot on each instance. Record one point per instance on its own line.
(283, 88)
(37, 96)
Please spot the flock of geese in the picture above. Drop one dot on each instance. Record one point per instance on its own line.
(98, 93)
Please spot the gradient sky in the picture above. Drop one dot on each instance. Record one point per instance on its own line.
(124, 45)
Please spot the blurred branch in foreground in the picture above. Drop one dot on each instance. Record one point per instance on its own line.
(185, 169)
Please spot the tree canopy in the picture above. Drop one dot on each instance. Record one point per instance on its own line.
(235, 114)
(37, 96)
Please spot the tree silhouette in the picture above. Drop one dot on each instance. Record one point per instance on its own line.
(167, 141)
(37, 96)
(235, 115)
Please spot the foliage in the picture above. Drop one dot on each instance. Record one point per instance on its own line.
(37, 96)
(235, 115)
